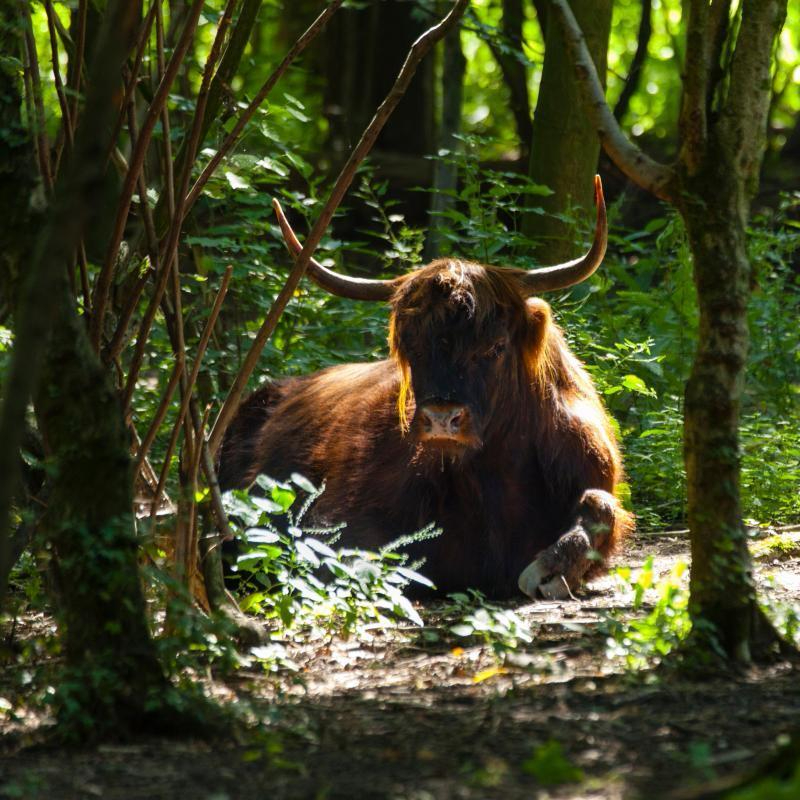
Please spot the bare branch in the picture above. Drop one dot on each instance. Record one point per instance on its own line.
(42, 143)
(169, 253)
(158, 417)
(66, 121)
(636, 164)
(169, 172)
(639, 57)
(103, 283)
(80, 47)
(417, 52)
(188, 388)
(233, 137)
(719, 25)
(133, 77)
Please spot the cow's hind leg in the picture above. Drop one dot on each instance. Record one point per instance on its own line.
(560, 569)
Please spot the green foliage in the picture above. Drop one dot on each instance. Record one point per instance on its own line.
(296, 579)
(643, 641)
(769, 789)
(550, 766)
(500, 629)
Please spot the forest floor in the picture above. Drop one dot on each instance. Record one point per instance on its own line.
(420, 717)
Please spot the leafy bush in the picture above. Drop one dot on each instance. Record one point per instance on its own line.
(294, 577)
(501, 629)
(644, 641)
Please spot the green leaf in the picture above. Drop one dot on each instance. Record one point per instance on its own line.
(550, 766)
(235, 181)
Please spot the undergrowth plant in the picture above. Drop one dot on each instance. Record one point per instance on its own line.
(293, 576)
(663, 621)
(477, 619)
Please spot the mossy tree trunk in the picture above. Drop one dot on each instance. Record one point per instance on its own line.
(723, 119)
(564, 146)
(113, 673)
(113, 683)
(723, 127)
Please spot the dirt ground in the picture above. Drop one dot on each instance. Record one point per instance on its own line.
(405, 718)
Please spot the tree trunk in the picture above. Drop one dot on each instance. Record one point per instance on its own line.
(721, 157)
(639, 57)
(113, 683)
(445, 173)
(515, 73)
(365, 49)
(722, 588)
(113, 673)
(564, 146)
(723, 132)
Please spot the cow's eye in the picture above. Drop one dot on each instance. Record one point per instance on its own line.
(497, 349)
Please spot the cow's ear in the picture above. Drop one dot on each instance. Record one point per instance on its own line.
(538, 319)
(538, 312)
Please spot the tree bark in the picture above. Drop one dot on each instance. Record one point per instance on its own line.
(113, 683)
(515, 73)
(564, 145)
(722, 156)
(113, 672)
(445, 173)
(639, 57)
(723, 134)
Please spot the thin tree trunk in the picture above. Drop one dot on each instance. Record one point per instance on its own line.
(721, 161)
(116, 675)
(564, 145)
(445, 173)
(639, 57)
(722, 588)
(515, 73)
(723, 131)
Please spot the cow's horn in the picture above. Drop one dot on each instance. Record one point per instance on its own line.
(561, 276)
(333, 282)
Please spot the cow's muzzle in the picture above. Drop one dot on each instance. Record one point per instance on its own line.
(445, 424)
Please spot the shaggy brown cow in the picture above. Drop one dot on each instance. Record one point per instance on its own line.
(481, 421)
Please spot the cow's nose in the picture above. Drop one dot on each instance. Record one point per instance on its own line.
(443, 419)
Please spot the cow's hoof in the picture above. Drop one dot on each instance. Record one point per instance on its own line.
(540, 584)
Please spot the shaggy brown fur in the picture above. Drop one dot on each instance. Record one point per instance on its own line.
(539, 438)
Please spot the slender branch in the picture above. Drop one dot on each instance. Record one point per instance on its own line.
(133, 77)
(719, 25)
(102, 285)
(190, 382)
(169, 172)
(42, 143)
(417, 52)
(169, 253)
(158, 417)
(80, 47)
(635, 163)
(233, 137)
(220, 84)
(66, 120)
(639, 57)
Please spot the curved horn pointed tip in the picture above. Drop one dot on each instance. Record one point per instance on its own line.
(598, 191)
(276, 206)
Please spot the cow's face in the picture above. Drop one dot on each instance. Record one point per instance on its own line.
(460, 331)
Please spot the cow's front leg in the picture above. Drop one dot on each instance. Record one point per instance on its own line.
(559, 570)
